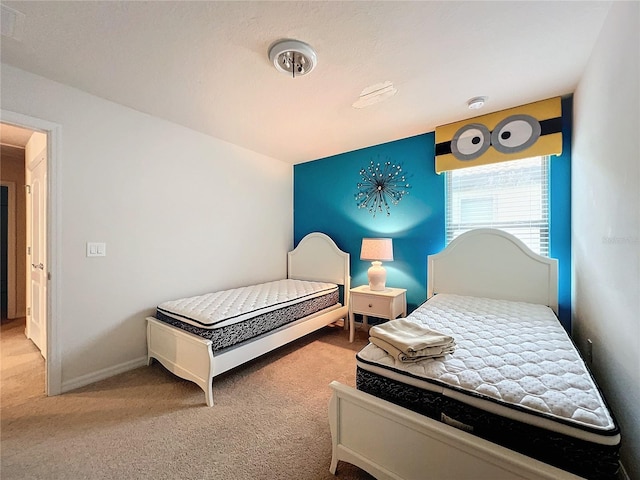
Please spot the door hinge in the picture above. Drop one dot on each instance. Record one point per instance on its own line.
(28, 187)
(28, 310)
(28, 250)
(48, 275)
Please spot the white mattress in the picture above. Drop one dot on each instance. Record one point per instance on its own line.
(513, 359)
(219, 309)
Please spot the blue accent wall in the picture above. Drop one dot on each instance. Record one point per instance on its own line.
(324, 200)
(560, 214)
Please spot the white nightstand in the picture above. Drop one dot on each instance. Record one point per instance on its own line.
(388, 303)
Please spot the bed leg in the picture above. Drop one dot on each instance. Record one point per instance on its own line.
(208, 394)
(333, 427)
(334, 465)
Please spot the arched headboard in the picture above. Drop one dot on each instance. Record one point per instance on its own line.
(492, 263)
(318, 258)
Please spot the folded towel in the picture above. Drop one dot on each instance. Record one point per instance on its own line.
(429, 352)
(409, 337)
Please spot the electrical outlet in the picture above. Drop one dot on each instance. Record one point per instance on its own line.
(589, 351)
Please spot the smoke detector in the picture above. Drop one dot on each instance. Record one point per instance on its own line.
(476, 102)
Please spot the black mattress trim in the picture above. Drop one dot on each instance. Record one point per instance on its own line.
(237, 333)
(205, 325)
(606, 433)
(587, 459)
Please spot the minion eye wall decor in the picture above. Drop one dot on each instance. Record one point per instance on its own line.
(521, 132)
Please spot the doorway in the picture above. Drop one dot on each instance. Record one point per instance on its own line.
(13, 264)
(39, 138)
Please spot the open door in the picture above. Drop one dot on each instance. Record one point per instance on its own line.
(42, 283)
(36, 328)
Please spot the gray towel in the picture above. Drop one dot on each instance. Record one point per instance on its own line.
(429, 352)
(411, 339)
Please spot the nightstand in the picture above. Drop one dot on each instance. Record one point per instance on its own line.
(388, 303)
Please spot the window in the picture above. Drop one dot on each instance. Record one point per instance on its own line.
(512, 196)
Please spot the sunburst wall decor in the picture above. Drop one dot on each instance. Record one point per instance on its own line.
(383, 184)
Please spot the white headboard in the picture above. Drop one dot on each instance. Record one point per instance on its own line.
(494, 264)
(317, 257)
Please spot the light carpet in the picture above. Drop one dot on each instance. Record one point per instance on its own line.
(269, 420)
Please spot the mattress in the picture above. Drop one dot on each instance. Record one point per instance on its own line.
(515, 378)
(231, 317)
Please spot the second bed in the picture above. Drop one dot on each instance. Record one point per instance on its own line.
(199, 337)
(514, 400)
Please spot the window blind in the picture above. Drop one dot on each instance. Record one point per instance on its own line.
(512, 196)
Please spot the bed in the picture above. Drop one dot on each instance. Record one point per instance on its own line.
(180, 338)
(484, 411)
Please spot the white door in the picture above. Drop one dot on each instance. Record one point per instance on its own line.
(37, 260)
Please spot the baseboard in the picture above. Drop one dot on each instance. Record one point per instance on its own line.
(102, 374)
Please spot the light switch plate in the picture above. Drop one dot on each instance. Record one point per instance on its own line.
(96, 249)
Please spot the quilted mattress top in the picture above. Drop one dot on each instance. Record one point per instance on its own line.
(217, 309)
(509, 354)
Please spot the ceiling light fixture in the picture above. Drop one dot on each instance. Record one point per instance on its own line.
(292, 57)
(375, 94)
(476, 102)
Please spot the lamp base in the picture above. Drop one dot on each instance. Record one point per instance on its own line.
(377, 276)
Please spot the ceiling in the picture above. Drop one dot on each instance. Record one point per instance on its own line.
(204, 65)
(14, 136)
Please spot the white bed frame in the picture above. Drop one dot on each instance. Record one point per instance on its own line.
(391, 442)
(191, 357)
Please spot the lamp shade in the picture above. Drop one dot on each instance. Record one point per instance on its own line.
(377, 249)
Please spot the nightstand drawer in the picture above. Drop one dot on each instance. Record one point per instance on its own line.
(370, 304)
(386, 304)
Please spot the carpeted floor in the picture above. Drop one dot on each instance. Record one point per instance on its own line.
(269, 420)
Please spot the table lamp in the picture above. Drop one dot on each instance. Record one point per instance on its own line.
(377, 250)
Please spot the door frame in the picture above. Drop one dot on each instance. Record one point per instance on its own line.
(53, 364)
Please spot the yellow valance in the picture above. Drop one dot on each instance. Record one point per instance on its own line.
(522, 132)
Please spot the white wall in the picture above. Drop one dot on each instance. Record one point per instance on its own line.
(181, 213)
(606, 219)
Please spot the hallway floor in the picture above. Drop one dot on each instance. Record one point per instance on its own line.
(21, 365)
